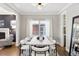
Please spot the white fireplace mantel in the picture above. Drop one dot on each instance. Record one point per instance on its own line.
(6, 30)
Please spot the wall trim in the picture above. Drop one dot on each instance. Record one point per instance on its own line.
(62, 46)
(13, 7)
(67, 6)
(58, 43)
(67, 49)
(17, 44)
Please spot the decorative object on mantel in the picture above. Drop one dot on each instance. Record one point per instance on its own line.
(1, 23)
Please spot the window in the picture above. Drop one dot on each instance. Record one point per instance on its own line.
(42, 29)
(35, 30)
(39, 27)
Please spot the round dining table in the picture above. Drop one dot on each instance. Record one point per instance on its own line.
(34, 41)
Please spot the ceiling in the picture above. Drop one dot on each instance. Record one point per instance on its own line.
(4, 11)
(30, 9)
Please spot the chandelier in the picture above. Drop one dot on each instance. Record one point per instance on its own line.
(39, 5)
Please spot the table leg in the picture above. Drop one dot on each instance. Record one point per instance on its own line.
(49, 51)
(29, 50)
(56, 49)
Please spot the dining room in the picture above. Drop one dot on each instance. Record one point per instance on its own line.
(39, 38)
(40, 31)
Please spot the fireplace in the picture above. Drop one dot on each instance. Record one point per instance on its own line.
(2, 35)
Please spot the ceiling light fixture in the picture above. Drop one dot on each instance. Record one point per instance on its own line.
(39, 5)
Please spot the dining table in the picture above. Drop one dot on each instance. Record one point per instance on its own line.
(34, 41)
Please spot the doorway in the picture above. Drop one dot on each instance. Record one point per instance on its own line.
(9, 21)
(13, 29)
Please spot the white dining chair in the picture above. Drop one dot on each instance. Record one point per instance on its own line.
(38, 49)
(53, 46)
(23, 47)
(24, 50)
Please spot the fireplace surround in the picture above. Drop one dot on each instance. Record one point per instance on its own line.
(4, 33)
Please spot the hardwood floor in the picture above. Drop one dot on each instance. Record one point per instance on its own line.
(10, 51)
(61, 51)
(14, 51)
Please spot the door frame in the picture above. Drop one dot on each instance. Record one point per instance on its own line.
(62, 29)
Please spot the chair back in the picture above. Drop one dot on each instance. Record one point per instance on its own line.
(43, 48)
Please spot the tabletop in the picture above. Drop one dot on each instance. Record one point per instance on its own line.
(34, 41)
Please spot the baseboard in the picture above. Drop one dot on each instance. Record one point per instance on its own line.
(17, 44)
(62, 46)
(58, 43)
(67, 49)
(1, 48)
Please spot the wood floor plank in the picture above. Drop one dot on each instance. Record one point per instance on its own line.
(61, 51)
(14, 51)
(10, 51)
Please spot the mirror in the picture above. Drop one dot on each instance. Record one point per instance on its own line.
(74, 43)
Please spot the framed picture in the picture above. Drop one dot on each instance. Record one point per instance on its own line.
(1, 23)
(74, 43)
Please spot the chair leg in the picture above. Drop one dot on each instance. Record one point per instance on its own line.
(48, 51)
(31, 52)
(56, 49)
(21, 52)
(45, 53)
(35, 53)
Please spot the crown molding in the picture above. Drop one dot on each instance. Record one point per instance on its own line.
(13, 7)
(4, 6)
(67, 6)
(8, 8)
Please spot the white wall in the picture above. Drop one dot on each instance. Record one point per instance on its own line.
(25, 26)
(71, 11)
(62, 27)
(54, 25)
(56, 28)
(17, 29)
